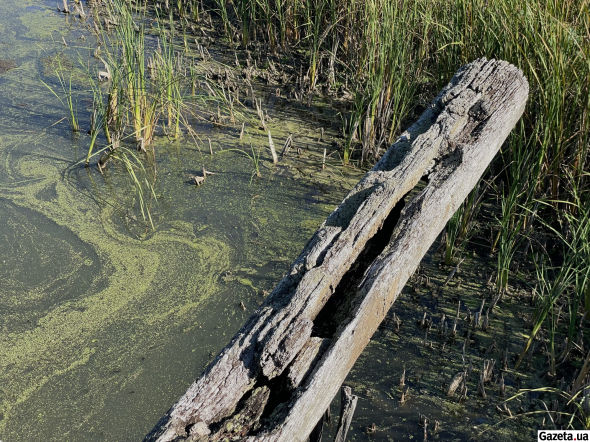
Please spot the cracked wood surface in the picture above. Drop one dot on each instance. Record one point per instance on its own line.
(306, 359)
(452, 143)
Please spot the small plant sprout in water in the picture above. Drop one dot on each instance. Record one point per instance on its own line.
(253, 156)
(67, 96)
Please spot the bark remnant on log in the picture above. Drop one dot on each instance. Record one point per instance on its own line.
(451, 144)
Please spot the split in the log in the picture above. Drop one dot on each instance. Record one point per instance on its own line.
(316, 434)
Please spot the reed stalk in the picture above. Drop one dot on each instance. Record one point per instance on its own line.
(395, 55)
(67, 97)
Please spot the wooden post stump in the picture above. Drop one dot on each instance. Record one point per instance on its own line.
(449, 147)
(347, 407)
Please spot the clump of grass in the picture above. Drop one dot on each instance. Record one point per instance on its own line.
(127, 56)
(148, 83)
(139, 87)
(566, 282)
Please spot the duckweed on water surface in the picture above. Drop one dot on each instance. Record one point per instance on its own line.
(103, 325)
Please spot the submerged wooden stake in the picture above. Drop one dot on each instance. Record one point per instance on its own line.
(66, 9)
(451, 145)
(275, 160)
(347, 407)
(287, 145)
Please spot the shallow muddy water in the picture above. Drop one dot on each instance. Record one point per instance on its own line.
(105, 322)
(102, 326)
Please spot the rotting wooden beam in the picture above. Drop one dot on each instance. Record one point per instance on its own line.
(451, 145)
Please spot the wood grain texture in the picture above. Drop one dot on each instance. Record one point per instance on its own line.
(452, 144)
(306, 359)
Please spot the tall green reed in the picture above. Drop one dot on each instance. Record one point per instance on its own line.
(68, 95)
(397, 54)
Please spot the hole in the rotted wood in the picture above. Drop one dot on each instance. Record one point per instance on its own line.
(339, 306)
(187, 429)
(279, 394)
(215, 427)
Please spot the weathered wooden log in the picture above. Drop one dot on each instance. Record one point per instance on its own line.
(306, 360)
(450, 146)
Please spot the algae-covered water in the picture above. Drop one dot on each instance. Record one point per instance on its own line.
(104, 321)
